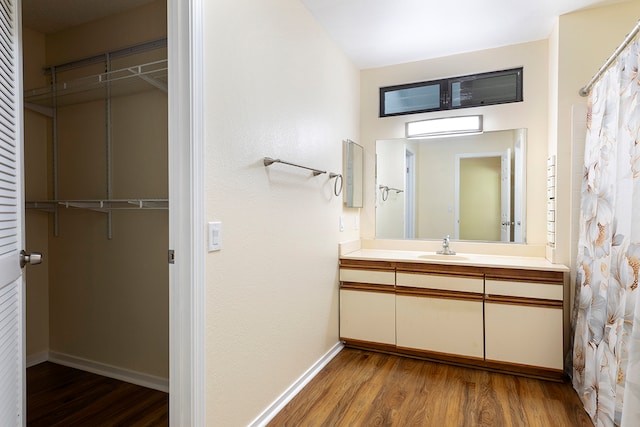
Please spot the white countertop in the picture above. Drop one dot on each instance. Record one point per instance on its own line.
(495, 261)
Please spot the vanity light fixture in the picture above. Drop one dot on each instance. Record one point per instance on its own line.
(445, 126)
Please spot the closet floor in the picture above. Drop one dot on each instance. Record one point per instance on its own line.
(62, 396)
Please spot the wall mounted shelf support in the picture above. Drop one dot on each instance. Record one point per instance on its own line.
(127, 80)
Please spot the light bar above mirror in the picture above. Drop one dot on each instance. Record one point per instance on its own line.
(445, 126)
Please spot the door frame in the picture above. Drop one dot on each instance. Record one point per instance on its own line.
(187, 291)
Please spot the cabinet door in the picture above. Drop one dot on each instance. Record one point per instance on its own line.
(522, 334)
(368, 316)
(450, 326)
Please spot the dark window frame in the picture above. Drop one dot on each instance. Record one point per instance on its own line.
(443, 83)
(446, 91)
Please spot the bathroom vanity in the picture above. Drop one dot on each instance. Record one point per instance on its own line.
(501, 313)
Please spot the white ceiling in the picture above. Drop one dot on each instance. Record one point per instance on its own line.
(374, 33)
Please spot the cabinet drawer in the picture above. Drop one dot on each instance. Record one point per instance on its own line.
(445, 283)
(368, 316)
(368, 276)
(546, 291)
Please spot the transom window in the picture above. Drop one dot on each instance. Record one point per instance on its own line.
(496, 87)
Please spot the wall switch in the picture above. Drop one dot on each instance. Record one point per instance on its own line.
(215, 236)
(341, 223)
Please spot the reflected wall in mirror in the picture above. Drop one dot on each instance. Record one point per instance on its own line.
(468, 187)
(354, 173)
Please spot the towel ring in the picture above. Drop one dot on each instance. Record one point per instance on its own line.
(336, 190)
(385, 192)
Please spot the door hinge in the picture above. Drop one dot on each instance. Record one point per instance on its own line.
(172, 256)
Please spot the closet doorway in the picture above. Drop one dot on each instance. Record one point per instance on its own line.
(96, 186)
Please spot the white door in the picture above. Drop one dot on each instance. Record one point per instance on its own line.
(12, 324)
(410, 196)
(505, 196)
(518, 185)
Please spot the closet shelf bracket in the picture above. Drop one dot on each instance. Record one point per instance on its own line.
(158, 84)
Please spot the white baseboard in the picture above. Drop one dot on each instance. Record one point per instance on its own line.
(273, 409)
(133, 377)
(37, 358)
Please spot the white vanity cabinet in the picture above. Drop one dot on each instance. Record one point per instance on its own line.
(505, 318)
(524, 318)
(368, 303)
(440, 311)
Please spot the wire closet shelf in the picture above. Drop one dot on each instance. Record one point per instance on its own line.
(140, 68)
(133, 79)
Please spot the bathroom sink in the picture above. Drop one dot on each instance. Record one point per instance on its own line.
(440, 257)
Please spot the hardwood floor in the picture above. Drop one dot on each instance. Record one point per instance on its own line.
(61, 396)
(361, 388)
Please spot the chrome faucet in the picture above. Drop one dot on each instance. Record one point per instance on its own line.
(445, 247)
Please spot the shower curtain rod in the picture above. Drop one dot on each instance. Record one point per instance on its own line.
(587, 88)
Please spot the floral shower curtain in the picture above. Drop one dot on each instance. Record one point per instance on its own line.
(606, 347)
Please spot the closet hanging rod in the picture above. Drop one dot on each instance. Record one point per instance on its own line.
(139, 48)
(268, 161)
(587, 88)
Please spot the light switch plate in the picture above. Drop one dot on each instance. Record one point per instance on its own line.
(215, 236)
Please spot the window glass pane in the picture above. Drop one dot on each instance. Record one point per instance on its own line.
(487, 90)
(418, 98)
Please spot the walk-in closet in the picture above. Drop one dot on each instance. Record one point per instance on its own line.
(96, 190)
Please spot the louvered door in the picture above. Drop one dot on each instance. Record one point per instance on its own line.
(12, 367)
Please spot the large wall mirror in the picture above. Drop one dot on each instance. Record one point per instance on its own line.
(469, 187)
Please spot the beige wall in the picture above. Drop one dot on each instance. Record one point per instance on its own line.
(579, 45)
(531, 114)
(583, 40)
(276, 86)
(145, 23)
(108, 299)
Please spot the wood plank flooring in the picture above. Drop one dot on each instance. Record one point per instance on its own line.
(62, 396)
(361, 388)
